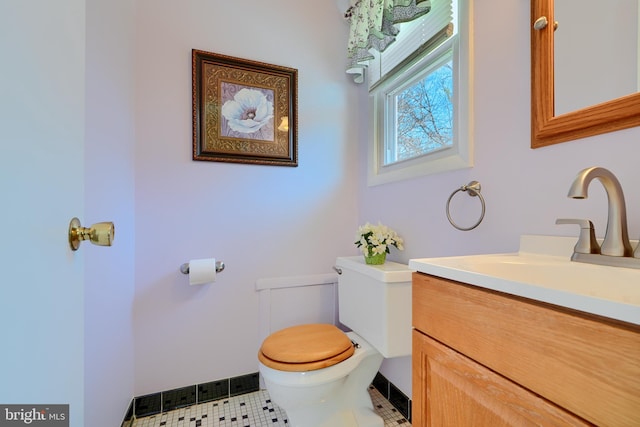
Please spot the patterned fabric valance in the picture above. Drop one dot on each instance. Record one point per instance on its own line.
(372, 26)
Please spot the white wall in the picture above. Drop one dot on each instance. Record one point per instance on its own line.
(525, 190)
(262, 221)
(273, 221)
(109, 173)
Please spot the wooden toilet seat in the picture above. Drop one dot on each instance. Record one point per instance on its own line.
(305, 348)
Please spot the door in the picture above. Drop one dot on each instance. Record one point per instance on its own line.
(42, 95)
(450, 389)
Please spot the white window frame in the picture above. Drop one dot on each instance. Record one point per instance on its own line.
(460, 156)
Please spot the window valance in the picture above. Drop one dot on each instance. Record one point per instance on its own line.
(373, 26)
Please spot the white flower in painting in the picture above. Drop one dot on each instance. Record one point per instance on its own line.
(248, 111)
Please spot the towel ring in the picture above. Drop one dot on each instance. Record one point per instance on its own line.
(474, 190)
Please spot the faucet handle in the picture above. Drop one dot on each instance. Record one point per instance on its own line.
(587, 243)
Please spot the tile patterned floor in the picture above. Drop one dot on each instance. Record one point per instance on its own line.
(252, 409)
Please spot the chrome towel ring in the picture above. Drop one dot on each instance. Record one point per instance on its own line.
(474, 190)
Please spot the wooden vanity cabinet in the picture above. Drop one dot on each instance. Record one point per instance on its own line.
(484, 358)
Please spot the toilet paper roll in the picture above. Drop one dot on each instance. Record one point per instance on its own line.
(202, 271)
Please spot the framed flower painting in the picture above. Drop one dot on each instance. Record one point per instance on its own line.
(243, 111)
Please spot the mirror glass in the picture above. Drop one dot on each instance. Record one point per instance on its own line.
(584, 75)
(595, 52)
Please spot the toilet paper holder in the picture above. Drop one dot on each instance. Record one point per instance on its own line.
(184, 268)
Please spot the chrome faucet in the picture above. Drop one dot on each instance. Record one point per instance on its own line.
(616, 246)
(616, 239)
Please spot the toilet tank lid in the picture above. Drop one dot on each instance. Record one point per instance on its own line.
(389, 272)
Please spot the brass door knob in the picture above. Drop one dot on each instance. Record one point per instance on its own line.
(101, 233)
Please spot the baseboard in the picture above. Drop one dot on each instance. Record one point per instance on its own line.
(389, 391)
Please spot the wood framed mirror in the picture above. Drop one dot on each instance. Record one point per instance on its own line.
(548, 128)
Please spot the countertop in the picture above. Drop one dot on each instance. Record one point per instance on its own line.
(542, 270)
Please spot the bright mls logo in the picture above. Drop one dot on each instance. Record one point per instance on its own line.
(34, 415)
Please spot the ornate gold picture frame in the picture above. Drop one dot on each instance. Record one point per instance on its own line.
(243, 111)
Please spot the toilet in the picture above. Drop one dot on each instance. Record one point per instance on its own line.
(317, 373)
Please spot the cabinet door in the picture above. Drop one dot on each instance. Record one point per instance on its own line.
(450, 389)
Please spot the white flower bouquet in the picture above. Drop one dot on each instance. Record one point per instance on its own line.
(374, 242)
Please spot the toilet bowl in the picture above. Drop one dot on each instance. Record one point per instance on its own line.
(318, 374)
(331, 396)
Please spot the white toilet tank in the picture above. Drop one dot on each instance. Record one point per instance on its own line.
(375, 302)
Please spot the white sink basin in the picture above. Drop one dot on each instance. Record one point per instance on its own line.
(542, 270)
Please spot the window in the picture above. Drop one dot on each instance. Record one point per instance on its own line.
(421, 97)
(421, 113)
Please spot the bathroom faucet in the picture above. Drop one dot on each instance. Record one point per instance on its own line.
(616, 246)
(616, 239)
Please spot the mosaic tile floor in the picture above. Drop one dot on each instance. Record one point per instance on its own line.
(252, 409)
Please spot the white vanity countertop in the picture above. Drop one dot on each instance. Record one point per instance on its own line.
(542, 271)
